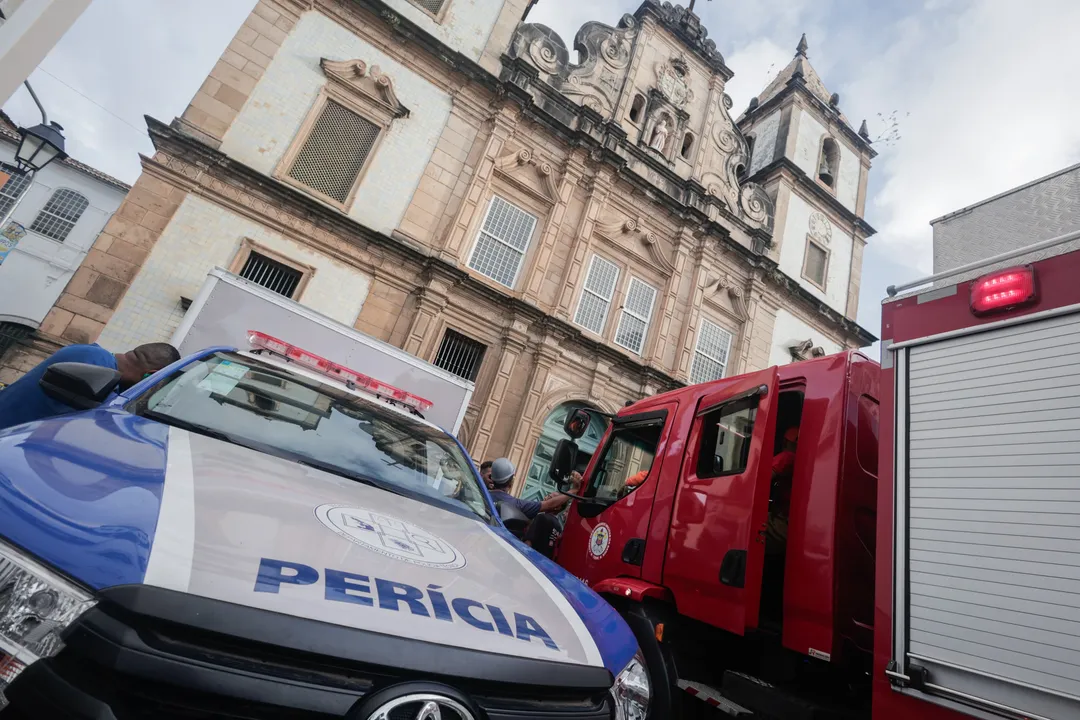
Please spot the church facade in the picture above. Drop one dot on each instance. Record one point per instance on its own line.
(444, 176)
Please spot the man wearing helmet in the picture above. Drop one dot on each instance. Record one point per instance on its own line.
(502, 477)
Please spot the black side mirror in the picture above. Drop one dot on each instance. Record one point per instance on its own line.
(514, 520)
(563, 462)
(79, 385)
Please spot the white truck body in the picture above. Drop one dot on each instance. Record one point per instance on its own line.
(227, 307)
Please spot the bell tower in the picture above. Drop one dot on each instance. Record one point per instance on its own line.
(814, 165)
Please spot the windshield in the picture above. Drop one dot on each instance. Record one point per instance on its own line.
(249, 402)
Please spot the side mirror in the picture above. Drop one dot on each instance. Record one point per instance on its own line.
(514, 520)
(577, 423)
(79, 385)
(563, 462)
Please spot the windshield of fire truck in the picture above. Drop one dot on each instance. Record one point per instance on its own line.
(243, 400)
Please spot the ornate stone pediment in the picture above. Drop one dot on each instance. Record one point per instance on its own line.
(726, 294)
(649, 240)
(805, 350)
(604, 52)
(542, 180)
(367, 80)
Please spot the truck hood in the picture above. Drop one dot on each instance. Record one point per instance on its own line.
(114, 499)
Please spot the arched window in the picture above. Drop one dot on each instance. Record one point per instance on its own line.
(637, 109)
(829, 163)
(60, 214)
(687, 145)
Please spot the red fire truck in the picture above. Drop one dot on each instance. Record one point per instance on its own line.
(927, 567)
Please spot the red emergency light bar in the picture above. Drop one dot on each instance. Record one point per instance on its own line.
(1003, 290)
(350, 377)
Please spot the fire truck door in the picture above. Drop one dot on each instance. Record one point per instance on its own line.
(716, 548)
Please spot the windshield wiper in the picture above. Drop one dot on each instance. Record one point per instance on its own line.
(338, 470)
(190, 426)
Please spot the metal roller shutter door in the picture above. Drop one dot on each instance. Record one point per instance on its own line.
(994, 514)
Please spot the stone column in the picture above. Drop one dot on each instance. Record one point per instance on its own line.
(575, 171)
(752, 328)
(702, 259)
(684, 241)
(458, 239)
(431, 300)
(598, 189)
(545, 357)
(514, 341)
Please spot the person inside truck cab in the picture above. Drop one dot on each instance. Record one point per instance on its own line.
(783, 466)
(24, 401)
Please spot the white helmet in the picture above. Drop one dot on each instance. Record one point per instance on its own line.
(502, 471)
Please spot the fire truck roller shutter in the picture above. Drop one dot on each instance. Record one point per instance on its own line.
(994, 514)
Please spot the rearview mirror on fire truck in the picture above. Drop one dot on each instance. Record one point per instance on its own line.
(577, 422)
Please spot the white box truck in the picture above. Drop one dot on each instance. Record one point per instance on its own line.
(228, 307)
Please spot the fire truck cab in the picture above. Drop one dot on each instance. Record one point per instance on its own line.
(682, 517)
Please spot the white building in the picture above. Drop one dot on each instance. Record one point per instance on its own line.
(29, 29)
(62, 210)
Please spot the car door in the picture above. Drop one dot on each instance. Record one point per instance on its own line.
(716, 546)
(605, 537)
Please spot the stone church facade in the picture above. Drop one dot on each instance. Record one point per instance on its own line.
(443, 176)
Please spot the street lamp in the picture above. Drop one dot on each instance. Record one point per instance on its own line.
(39, 146)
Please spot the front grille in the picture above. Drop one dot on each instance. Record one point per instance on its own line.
(95, 665)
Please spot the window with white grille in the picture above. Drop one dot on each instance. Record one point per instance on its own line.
(816, 264)
(711, 353)
(13, 189)
(271, 274)
(636, 313)
(60, 214)
(432, 6)
(334, 152)
(460, 355)
(503, 242)
(596, 295)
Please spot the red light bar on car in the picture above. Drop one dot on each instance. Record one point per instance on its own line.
(1003, 290)
(340, 372)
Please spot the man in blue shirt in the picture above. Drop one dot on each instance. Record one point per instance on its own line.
(24, 400)
(502, 475)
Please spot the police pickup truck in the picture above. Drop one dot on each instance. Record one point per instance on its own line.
(268, 534)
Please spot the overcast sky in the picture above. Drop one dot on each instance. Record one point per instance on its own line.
(983, 90)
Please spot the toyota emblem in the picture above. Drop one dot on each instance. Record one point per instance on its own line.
(422, 706)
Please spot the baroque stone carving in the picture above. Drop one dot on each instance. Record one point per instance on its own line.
(543, 168)
(671, 81)
(633, 226)
(604, 52)
(688, 26)
(367, 80)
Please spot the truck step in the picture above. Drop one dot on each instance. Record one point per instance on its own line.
(713, 697)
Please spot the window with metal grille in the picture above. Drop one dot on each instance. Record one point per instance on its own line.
(817, 263)
(60, 214)
(334, 152)
(460, 355)
(432, 6)
(636, 313)
(272, 275)
(13, 189)
(596, 295)
(711, 353)
(503, 242)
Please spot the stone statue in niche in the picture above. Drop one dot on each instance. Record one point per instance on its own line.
(660, 134)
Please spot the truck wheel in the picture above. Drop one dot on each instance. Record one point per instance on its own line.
(666, 697)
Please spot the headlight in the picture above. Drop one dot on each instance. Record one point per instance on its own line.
(631, 691)
(36, 606)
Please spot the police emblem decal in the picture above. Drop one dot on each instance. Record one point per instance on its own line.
(390, 536)
(599, 541)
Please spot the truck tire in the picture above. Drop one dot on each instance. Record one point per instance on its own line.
(665, 696)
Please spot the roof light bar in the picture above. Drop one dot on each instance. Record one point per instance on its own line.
(1003, 290)
(350, 377)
